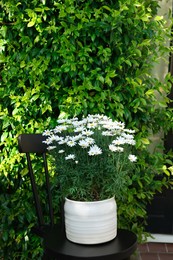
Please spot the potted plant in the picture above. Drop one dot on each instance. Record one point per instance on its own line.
(92, 158)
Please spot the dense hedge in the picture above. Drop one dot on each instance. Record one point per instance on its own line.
(78, 57)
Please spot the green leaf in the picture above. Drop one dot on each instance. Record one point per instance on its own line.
(108, 81)
(4, 136)
(145, 141)
(38, 9)
(150, 92)
(106, 7)
(101, 78)
(31, 23)
(128, 62)
(158, 18)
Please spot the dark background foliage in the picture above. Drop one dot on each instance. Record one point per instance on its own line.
(78, 57)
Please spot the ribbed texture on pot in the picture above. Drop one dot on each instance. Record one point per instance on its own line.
(90, 222)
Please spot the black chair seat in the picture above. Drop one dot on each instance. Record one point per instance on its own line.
(58, 246)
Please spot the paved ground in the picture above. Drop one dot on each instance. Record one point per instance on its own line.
(154, 251)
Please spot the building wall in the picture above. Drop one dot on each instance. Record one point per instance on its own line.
(161, 69)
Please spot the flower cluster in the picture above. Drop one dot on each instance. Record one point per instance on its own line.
(81, 135)
(90, 151)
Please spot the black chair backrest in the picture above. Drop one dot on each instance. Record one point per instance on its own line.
(33, 143)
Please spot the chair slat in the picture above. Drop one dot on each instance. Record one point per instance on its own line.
(35, 192)
(49, 195)
(33, 143)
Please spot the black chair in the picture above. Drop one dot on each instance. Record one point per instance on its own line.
(55, 243)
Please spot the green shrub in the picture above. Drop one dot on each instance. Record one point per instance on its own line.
(78, 57)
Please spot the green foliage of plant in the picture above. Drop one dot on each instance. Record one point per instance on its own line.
(78, 57)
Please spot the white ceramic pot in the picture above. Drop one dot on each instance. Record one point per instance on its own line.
(90, 222)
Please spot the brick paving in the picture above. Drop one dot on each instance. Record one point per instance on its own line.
(154, 251)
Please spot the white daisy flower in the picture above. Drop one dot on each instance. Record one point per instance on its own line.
(47, 133)
(120, 140)
(119, 125)
(90, 119)
(51, 147)
(130, 141)
(77, 137)
(129, 131)
(75, 123)
(49, 140)
(70, 157)
(60, 128)
(84, 143)
(87, 132)
(62, 141)
(108, 125)
(46, 141)
(94, 150)
(132, 158)
(71, 143)
(128, 136)
(107, 133)
(58, 138)
(114, 148)
(79, 129)
(61, 151)
(91, 125)
(61, 121)
(83, 121)
(90, 140)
